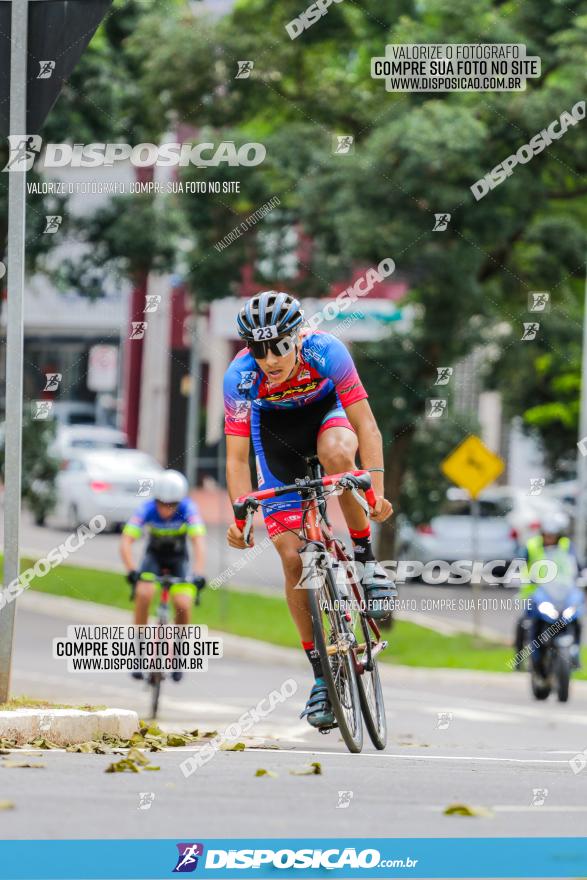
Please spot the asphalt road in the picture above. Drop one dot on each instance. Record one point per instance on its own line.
(455, 737)
(260, 570)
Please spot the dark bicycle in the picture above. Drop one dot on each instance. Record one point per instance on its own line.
(166, 581)
(346, 637)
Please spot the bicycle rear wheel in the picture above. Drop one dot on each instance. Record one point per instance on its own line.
(334, 642)
(155, 683)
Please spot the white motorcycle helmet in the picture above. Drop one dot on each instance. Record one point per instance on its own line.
(555, 523)
(171, 487)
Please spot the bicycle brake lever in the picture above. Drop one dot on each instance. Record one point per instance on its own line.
(248, 526)
(360, 500)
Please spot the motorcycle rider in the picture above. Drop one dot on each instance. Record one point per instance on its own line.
(554, 544)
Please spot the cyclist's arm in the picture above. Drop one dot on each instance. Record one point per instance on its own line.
(199, 553)
(361, 417)
(126, 543)
(238, 473)
(196, 531)
(132, 530)
(370, 440)
(238, 481)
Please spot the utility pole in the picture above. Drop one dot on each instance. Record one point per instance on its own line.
(14, 333)
(581, 506)
(192, 433)
(40, 31)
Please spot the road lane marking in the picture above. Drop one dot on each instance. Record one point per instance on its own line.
(453, 703)
(473, 714)
(409, 757)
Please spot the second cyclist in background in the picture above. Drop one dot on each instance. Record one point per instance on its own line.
(171, 520)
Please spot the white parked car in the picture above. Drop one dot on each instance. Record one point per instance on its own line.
(449, 536)
(508, 518)
(524, 512)
(103, 482)
(71, 439)
(73, 412)
(565, 493)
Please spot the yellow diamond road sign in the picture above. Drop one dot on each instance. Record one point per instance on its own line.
(472, 466)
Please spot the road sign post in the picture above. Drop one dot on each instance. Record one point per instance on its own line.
(581, 508)
(14, 335)
(39, 31)
(193, 410)
(473, 466)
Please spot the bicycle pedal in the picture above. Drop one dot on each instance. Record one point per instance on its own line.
(327, 728)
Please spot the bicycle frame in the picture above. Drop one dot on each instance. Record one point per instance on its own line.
(316, 528)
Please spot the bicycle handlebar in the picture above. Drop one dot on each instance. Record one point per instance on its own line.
(245, 506)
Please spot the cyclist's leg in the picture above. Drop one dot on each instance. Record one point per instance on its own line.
(288, 545)
(318, 710)
(182, 599)
(181, 595)
(337, 449)
(281, 449)
(145, 590)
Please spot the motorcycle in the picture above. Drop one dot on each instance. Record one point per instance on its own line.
(555, 612)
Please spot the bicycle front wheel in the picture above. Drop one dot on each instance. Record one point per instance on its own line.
(371, 695)
(334, 642)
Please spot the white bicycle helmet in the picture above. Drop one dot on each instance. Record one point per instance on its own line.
(554, 523)
(171, 487)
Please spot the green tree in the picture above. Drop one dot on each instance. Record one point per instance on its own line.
(39, 467)
(415, 155)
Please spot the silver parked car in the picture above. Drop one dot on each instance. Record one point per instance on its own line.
(107, 482)
(70, 439)
(449, 536)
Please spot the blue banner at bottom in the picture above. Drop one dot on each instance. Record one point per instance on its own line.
(312, 857)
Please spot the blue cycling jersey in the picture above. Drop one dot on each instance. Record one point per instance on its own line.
(166, 535)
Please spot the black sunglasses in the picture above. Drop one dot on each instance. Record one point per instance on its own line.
(279, 347)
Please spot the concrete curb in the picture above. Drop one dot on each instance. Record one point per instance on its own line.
(64, 727)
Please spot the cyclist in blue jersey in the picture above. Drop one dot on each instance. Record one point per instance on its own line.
(297, 393)
(170, 518)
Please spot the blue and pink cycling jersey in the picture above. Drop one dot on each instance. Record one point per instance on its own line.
(326, 366)
(285, 420)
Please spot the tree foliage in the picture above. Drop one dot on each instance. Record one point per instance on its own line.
(415, 155)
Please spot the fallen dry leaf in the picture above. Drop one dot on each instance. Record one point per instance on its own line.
(237, 747)
(34, 764)
(466, 810)
(315, 769)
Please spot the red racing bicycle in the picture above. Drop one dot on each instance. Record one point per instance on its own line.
(346, 637)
